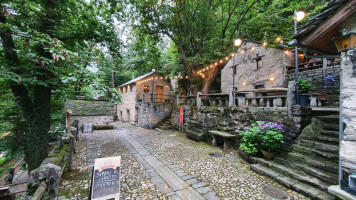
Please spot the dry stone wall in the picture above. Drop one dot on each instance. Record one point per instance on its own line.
(151, 114)
(233, 120)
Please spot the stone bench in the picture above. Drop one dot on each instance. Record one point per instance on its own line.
(226, 136)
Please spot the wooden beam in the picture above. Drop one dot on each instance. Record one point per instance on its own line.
(335, 20)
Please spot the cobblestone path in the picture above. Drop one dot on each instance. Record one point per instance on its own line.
(164, 165)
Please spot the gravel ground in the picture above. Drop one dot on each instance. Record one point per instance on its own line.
(229, 176)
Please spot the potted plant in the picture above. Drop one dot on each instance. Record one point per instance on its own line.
(304, 88)
(266, 137)
(271, 138)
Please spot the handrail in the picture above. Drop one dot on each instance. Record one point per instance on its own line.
(265, 90)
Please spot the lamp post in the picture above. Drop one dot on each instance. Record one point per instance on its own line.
(237, 43)
(298, 16)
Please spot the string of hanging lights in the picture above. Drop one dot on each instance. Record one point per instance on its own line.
(225, 59)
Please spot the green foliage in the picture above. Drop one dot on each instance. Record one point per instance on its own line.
(305, 86)
(262, 136)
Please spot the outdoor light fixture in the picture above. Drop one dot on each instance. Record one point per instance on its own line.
(271, 79)
(299, 16)
(232, 55)
(278, 39)
(347, 43)
(243, 51)
(216, 64)
(264, 44)
(186, 77)
(253, 48)
(227, 58)
(211, 66)
(286, 52)
(220, 61)
(244, 83)
(238, 42)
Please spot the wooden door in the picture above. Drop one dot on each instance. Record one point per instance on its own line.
(159, 93)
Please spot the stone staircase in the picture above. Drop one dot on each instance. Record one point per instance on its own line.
(165, 124)
(311, 165)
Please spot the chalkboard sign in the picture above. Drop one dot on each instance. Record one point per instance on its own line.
(106, 179)
(328, 82)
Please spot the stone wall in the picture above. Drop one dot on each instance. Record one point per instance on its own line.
(95, 120)
(348, 143)
(89, 107)
(272, 65)
(235, 119)
(127, 111)
(315, 76)
(151, 114)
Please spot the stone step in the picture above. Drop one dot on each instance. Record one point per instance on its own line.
(291, 183)
(317, 173)
(333, 157)
(296, 174)
(321, 146)
(330, 119)
(165, 127)
(333, 127)
(316, 163)
(332, 133)
(326, 138)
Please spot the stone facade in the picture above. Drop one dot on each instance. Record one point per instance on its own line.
(149, 114)
(348, 93)
(90, 111)
(272, 65)
(141, 89)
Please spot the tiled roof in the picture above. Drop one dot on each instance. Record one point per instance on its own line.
(137, 79)
(323, 16)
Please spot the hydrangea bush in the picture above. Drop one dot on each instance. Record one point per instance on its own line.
(262, 136)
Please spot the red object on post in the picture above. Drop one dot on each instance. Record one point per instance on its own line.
(181, 115)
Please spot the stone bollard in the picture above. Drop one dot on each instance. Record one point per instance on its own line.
(198, 99)
(290, 98)
(68, 156)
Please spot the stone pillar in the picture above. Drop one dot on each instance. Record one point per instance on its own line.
(231, 103)
(198, 99)
(290, 99)
(221, 102)
(262, 102)
(268, 102)
(348, 95)
(279, 102)
(241, 100)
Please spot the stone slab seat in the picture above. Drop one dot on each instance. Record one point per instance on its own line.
(226, 136)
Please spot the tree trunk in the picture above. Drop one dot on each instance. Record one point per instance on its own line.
(210, 78)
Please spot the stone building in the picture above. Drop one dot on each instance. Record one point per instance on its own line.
(257, 67)
(337, 22)
(145, 100)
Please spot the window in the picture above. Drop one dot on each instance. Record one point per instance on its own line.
(145, 89)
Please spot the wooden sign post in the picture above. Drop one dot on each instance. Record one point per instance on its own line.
(106, 179)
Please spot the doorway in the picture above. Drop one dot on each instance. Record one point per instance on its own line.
(128, 115)
(159, 93)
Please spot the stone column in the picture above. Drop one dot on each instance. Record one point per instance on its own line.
(290, 99)
(231, 103)
(348, 115)
(198, 99)
(241, 100)
(262, 102)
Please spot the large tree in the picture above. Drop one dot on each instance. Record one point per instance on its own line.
(203, 31)
(42, 41)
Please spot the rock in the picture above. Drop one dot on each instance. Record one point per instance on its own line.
(51, 174)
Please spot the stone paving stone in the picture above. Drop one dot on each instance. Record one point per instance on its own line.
(198, 185)
(157, 180)
(211, 196)
(154, 173)
(192, 181)
(164, 188)
(181, 174)
(204, 190)
(189, 177)
(179, 171)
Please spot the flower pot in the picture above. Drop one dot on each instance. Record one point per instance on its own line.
(268, 155)
(304, 100)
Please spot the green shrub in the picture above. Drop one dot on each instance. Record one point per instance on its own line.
(304, 86)
(262, 136)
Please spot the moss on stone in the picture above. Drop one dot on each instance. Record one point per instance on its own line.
(61, 155)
